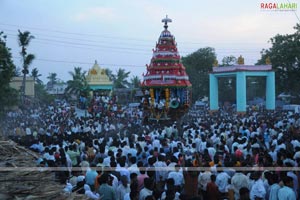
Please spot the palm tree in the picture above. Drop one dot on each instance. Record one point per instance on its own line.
(35, 74)
(109, 73)
(120, 79)
(135, 82)
(78, 74)
(78, 83)
(24, 40)
(52, 79)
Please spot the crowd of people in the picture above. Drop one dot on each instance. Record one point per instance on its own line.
(205, 155)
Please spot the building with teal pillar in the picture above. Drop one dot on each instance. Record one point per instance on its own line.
(241, 72)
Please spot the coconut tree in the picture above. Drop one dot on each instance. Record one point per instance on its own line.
(52, 79)
(109, 73)
(120, 79)
(24, 39)
(35, 74)
(78, 83)
(135, 82)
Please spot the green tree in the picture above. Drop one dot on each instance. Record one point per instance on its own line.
(78, 85)
(109, 73)
(120, 79)
(135, 82)
(52, 79)
(24, 39)
(42, 96)
(35, 74)
(198, 65)
(229, 60)
(284, 56)
(7, 69)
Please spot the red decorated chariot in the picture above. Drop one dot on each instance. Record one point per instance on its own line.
(166, 85)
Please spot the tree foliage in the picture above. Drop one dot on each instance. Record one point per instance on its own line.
(24, 39)
(135, 82)
(35, 74)
(8, 96)
(284, 56)
(78, 85)
(120, 79)
(229, 60)
(41, 94)
(109, 73)
(52, 79)
(198, 65)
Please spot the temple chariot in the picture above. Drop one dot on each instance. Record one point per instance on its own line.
(166, 85)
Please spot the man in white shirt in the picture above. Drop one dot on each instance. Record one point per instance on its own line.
(238, 181)
(274, 187)
(177, 176)
(203, 180)
(147, 190)
(222, 182)
(156, 143)
(122, 169)
(133, 167)
(28, 131)
(161, 169)
(258, 190)
(287, 192)
(295, 180)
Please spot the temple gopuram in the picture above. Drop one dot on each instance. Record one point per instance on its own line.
(166, 85)
(98, 81)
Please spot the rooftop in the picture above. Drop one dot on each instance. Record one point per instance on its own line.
(243, 68)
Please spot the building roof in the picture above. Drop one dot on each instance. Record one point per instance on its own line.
(236, 68)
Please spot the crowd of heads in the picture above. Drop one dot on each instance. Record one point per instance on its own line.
(204, 155)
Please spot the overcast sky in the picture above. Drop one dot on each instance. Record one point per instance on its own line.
(122, 33)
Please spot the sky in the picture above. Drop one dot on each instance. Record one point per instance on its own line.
(122, 33)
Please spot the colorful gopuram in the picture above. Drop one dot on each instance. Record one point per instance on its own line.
(166, 85)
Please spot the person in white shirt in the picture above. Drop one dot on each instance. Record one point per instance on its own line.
(147, 190)
(170, 191)
(274, 186)
(123, 188)
(222, 182)
(161, 169)
(203, 144)
(156, 143)
(273, 153)
(122, 169)
(133, 167)
(295, 180)
(198, 143)
(203, 180)
(297, 153)
(287, 192)
(89, 194)
(177, 176)
(238, 181)
(28, 131)
(258, 190)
